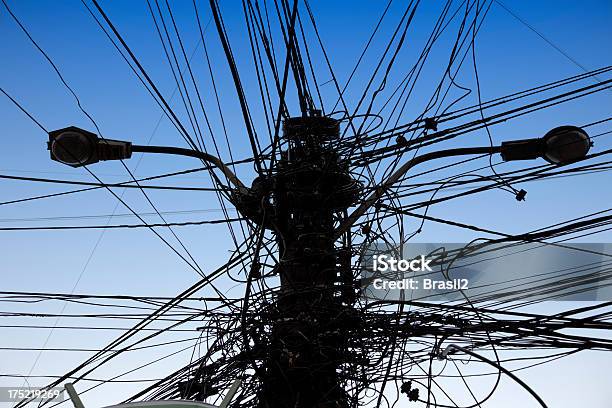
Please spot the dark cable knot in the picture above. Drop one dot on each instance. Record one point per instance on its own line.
(411, 393)
(401, 141)
(431, 124)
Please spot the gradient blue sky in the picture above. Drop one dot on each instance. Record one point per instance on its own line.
(510, 58)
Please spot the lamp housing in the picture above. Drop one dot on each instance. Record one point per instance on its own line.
(78, 147)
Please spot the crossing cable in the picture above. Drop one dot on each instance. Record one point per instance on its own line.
(237, 84)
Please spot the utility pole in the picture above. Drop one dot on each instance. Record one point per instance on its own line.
(311, 186)
(311, 334)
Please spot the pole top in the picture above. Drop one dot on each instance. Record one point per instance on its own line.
(302, 128)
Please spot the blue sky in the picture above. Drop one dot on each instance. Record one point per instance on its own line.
(510, 57)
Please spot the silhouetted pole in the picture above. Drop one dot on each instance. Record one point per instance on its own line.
(308, 345)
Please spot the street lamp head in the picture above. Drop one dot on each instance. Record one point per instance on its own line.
(561, 145)
(77, 147)
(566, 144)
(72, 146)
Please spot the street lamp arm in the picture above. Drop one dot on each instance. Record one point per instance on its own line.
(381, 189)
(215, 161)
(77, 147)
(446, 351)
